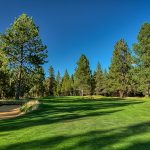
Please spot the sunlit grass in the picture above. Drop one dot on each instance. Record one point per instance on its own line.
(80, 123)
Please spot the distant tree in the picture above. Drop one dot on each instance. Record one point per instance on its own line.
(105, 86)
(58, 84)
(23, 47)
(4, 74)
(119, 69)
(51, 81)
(37, 89)
(93, 83)
(46, 85)
(66, 84)
(83, 76)
(40, 81)
(142, 59)
(99, 79)
(73, 92)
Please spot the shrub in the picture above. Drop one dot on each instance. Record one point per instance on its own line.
(29, 106)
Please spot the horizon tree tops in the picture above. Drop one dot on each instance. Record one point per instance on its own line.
(22, 55)
(119, 69)
(82, 75)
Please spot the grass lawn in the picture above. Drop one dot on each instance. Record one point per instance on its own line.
(73, 123)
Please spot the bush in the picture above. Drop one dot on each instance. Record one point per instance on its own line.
(29, 106)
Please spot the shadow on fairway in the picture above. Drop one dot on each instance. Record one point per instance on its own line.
(94, 140)
(64, 109)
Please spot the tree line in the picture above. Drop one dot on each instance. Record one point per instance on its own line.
(22, 55)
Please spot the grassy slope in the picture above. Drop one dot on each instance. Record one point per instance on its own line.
(72, 123)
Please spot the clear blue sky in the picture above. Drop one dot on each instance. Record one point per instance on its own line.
(72, 27)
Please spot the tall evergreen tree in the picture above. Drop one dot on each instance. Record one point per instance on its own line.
(73, 92)
(83, 76)
(23, 47)
(38, 88)
(26, 82)
(66, 84)
(119, 69)
(51, 81)
(46, 85)
(93, 83)
(4, 74)
(99, 79)
(105, 91)
(41, 78)
(58, 84)
(142, 59)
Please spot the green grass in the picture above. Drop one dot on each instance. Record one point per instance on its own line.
(73, 123)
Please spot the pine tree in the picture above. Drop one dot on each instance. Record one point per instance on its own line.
(73, 92)
(133, 88)
(23, 47)
(99, 80)
(105, 85)
(58, 84)
(2, 71)
(119, 69)
(93, 83)
(4, 75)
(41, 78)
(83, 76)
(142, 59)
(46, 85)
(66, 84)
(26, 82)
(51, 81)
(37, 80)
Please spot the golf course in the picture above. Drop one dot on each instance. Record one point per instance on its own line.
(80, 123)
(75, 75)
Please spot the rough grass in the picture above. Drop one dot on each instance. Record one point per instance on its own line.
(76, 123)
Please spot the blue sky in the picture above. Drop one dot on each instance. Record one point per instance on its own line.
(73, 27)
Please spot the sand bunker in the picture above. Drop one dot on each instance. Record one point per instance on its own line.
(9, 111)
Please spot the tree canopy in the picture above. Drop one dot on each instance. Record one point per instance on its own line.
(83, 75)
(23, 47)
(22, 71)
(142, 59)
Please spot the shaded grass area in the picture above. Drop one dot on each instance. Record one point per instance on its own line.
(77, 123)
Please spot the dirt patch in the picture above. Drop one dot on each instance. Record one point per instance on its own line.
(9, 111)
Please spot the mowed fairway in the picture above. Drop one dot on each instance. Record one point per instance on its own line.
(73, 123)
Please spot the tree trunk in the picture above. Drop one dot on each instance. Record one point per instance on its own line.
(121, 93)
(148, 92)
(82, 92)
(147, 89)
(18, 85)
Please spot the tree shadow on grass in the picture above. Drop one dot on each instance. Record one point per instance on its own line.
(93, 140)
(139, 146)
(56, 110)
